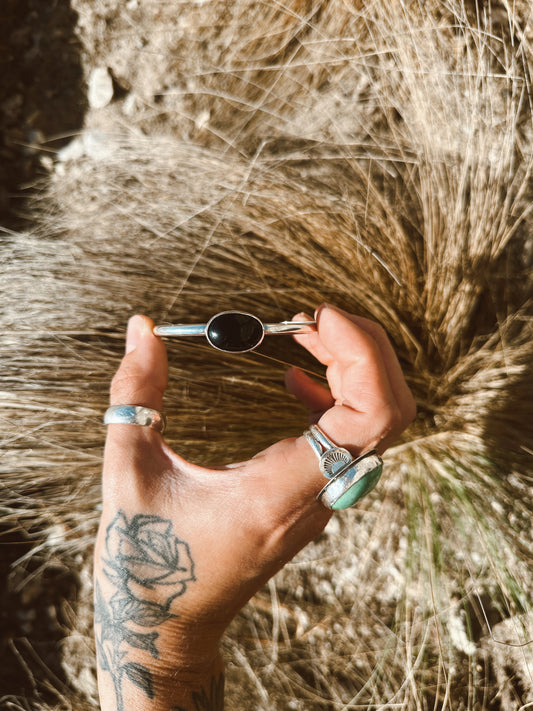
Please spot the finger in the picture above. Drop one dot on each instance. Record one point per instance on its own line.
(356, 374)
(398, 385)
(140, 380)
(365, 404)
(366, 409)
(312, 341)
(360, 412)
(143, 374)
(313, 395)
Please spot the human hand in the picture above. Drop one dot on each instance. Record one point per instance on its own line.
(181, 548)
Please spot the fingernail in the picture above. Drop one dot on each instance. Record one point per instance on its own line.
(319, 309)
(134, 333)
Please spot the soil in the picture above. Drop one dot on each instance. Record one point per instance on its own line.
(42, 94)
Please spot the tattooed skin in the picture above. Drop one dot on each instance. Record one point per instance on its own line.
(212, 701)
(141, 555)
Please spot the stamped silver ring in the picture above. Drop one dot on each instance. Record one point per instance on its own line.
(350, 479)
(135, 415)
(235, 331)
(331, 459)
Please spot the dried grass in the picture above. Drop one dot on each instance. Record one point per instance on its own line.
(268, 157)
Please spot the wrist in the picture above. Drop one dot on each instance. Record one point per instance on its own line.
(175, 681)
(152, 652)
(150, 657)
(187, 685)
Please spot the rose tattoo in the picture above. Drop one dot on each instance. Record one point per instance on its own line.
(142, 555)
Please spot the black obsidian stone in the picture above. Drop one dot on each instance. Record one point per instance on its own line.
(234, 332)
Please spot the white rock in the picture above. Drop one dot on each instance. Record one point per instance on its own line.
(72, 151)
(129, 107)
(100, 89)
(47, 163)
(98, 145)
(57, 535)
(93, 144)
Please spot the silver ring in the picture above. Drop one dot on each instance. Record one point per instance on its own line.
(235, 331)
(352, 483)
(331, 458)
(135, 415)
(349, 479)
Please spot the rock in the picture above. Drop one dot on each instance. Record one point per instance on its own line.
(100, 88)
(72, 151)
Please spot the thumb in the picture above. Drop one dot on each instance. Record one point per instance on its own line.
(143, 373)
(140, 380)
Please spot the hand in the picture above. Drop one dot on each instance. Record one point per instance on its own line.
(181, 548)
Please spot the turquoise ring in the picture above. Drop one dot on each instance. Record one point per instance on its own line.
(349, 481)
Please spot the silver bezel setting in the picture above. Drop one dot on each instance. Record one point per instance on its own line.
(350, 475)
(348, 472)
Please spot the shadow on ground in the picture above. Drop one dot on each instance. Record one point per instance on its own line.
(42, 102)
(42, 93)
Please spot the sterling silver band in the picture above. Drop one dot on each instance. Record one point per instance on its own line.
(331, 458)
(135, 415)
(199, 329)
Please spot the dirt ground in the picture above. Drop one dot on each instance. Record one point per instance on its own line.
(42, 93)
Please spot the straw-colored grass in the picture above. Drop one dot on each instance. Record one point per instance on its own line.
(270, 156)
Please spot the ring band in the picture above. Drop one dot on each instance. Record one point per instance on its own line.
(135, 415)
(235, 331)
(331, 459)
(349, 479)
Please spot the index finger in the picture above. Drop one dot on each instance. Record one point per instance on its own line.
(392, 365)
(341, 345)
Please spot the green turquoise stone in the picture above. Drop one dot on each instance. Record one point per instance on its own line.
(360, 489)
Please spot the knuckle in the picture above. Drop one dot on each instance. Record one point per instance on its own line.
(125, 384)
(389, 419)
(395, 418)
(122, 381)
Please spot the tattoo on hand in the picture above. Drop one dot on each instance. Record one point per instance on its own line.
(142, 555)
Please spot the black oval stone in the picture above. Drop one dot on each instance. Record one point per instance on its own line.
(234, 332)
